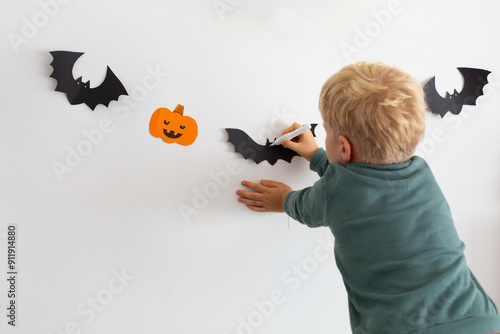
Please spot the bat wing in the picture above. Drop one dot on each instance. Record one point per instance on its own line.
(251, 150)
(435, 102)
(474, 81)
(63, 72)
(245, 145)
(110, 89)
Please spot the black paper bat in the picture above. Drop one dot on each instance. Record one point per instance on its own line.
(78, 91)
(251, 150)
(474, 81)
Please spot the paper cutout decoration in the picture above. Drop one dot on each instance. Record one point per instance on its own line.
(474, 81)
(78, 91)
(173, 126)
(251, 150)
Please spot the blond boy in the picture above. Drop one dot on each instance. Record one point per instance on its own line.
(396, 245)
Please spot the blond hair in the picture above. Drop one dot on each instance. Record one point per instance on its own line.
(379, 108)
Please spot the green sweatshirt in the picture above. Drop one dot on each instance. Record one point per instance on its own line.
(396, 247)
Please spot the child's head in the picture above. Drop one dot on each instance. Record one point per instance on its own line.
(380, 109)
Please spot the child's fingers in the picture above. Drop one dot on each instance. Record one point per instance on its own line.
(257, 208)
(294, 126)
(250, 202)
(250, 198)
(307, 135)
(249, 194)
(270, 183)
(297, 139)
(254, 186)
(290, 144)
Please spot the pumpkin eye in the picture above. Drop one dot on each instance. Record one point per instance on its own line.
(166, 123)
(183, 126)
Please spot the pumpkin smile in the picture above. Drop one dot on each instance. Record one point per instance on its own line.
(171, 134)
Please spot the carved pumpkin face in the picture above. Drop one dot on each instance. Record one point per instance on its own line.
(173, 126)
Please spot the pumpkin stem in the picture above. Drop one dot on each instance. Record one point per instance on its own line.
(179, 109)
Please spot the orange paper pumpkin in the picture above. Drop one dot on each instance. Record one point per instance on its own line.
(173, 126)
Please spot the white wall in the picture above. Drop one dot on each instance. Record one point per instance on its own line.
(256, 66)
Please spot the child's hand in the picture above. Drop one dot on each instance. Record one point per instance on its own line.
(267, 197)
(304, 144)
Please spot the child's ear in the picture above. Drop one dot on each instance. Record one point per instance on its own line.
(346, 149)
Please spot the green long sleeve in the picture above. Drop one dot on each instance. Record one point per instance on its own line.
(396, 247)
